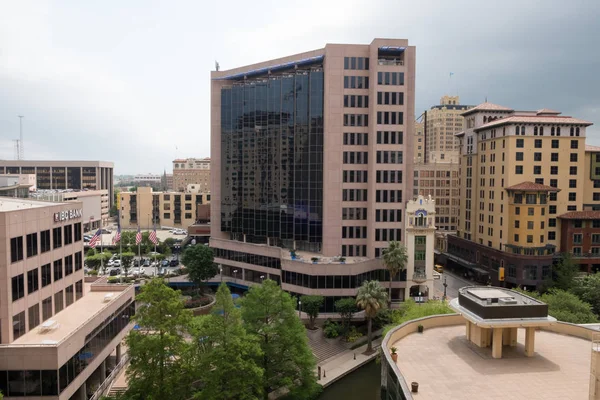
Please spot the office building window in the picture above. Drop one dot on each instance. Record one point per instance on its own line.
(77, 231)
(69, 295)
(555, 143)
(390, 78)
(572, 196)
(519, 156)
(18, 325)
(16, 249)
(58, 270)
(56, 238)
(573, 157)
(572, 183)
(356, 82)
(520, 143)
(68, 265)
(46, 308)
(46, 275)
(45, 241)
(32, 245)
(58, 302)
(18, 287)
(538, 143)
(356, 63)
(33, 283)
(78, 261)
(554, 170)
(78, 290)
(516, 238)
(519, 169)
(537, 169)
(68, 230)
(551, 235)
(574, 144)
(34, 316)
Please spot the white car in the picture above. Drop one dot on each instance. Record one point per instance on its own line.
(180, 232)
(116, 263)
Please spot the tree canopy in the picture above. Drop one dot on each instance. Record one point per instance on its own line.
(269, 313)
(588, 290)
(346, 307)
(371, 297)
(394, 259)
(311, 304)
(566, 307)
(199, 261)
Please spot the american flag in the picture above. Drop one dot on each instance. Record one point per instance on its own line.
(153, 237)
(95, 239)
(138, 236)
(117, 237)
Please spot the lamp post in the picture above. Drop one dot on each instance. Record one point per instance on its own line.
(221, 272)
(419, 298)
(445, 286)
(235, 273)
(299, 308)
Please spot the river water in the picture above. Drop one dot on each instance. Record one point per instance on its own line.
(362, 384)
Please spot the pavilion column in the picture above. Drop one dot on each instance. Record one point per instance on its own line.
(497, 343)
(468, 329)
(529, 341)
(506, 336)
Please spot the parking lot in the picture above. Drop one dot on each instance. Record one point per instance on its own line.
(107, 238)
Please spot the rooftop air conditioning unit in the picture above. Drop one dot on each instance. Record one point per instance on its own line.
(509, 300)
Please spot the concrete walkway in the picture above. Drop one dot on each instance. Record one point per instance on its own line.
(338, 367)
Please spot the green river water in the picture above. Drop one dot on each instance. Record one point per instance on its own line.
(362, 384)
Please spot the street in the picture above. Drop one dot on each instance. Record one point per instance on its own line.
(454, 283)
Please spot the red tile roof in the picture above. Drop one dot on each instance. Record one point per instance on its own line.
(487, 107)
(581, 215)
(534, 119)
(534, 187)
(547, 111)
(591, 148)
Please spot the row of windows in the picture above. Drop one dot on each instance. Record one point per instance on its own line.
(388, 215)
(360, 63)
(356, 82)
(389, 176)
(265, 261)
(360, 139)
(530, 238)
(355, 176)
(356, 120)
(389, 157)
(354, 195)
(337, 281)
(390, 78)
(356, 101)
(537, 143)
(354, 232)
(388, 196)
(554, 131)
(354, 250)
(390, 98)
(386, 137)
(354, 213)
(537, 170)
(60, 235)
(185, 216)
(33, 276)
(386, 235)
(390, 118)
(356, 157)
(573, 157)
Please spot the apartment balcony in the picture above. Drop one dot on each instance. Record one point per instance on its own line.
(419, 277)
(390, 62)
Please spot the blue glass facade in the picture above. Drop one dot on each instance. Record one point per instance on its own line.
(272, 159)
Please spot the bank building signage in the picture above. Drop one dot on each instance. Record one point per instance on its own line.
(67, 215)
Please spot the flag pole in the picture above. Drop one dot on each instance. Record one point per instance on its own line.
(101, 245)
(120, 245)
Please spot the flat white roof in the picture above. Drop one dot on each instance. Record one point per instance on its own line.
(13, 204)
(71, 318)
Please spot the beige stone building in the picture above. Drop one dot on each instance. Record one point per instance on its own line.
(191, 171)
(520, 171)
(165, 209)
(58, 334)
(442, 122)
(95, 204)
(419, 142)
(313, 152)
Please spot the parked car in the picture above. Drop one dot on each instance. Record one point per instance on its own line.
(103, 231)
(116, 263)
(174, 262)
(153, 253)
(165, 263)
(180, 232)
(114, 272)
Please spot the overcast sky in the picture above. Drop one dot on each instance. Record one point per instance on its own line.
(128, 81)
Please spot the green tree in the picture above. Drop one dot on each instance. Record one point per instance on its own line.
(371, 297)
(394, 259)
(227, 353)
(311, 306)
(199, 261)
(410, 310)
(588, 290)
(269, 313)
(90, 252)
(566, 307)
(563, 273)
(346, 308)
(159, 355)
(127, 260)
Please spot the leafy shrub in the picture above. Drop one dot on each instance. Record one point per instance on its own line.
(93, 272)
(331, 331)
(411, 310)
(353, 335)
(197, 302)
(383, 318)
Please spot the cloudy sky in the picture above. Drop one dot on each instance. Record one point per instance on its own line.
(128, 81)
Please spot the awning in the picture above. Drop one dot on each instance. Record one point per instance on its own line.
(460, 260)
(480, 271)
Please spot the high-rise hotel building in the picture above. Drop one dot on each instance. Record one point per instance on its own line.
(521, 172)
(313, 153)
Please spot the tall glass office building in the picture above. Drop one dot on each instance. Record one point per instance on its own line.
(309, 172)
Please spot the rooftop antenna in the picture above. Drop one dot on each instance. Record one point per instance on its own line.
(216, 65)
(16, 148)
(21, 145)
(486, 99)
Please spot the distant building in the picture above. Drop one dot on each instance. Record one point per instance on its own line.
(442, 122)
(95, 204)
(60, 336)
(191, 171)
(76, 175)
(165, 209)
(419, 143)
(17, 185)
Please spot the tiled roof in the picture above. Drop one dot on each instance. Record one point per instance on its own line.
(581, 215)
(547, 111)
(534, 119)
(589, 147)
(461, 133)
(487, 107)
(532, 187)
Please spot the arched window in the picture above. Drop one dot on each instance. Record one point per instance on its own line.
(523, 130)
(535, 130)
(558, 131)
(572, 131)
(541, 131)
(484, 120)
(552, 131)
(577, 131)
(517, 130)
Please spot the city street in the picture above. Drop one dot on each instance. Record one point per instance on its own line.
(454, 283)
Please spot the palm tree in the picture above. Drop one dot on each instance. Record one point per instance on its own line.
(394, 259)
(371, 297)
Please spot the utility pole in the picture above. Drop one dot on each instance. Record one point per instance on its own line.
(21, 145)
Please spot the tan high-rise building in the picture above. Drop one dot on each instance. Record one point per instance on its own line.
(163, 209)
(59, 334)
(419, 143)
(191, 171)
(442, 122)
(313, 152)
(520, 171)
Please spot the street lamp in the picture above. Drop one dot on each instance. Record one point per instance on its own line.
(419, 298)
(299, 308)
(221, 272)
(235, 273)
(445, 286)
